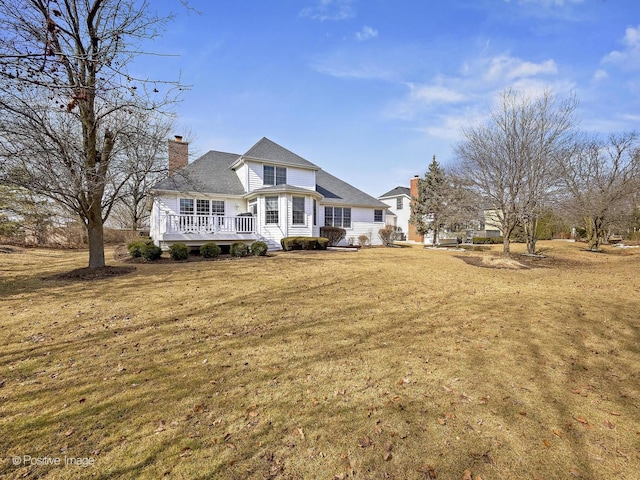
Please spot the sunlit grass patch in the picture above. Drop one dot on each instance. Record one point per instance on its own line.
(323, 364)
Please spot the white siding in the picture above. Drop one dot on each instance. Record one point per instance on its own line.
(242, 173)
(301, 178)
(295, 176)
(361, 224)
(402, 215)
(255, 176)
(161, 207)
(305, 230)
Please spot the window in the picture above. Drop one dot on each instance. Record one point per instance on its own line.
(274, 175)
(217, 207)
(377, 215)
(186, 206)
(399, 203)
(271, 209)
(337, 217)
(253, 207)
(202, 207)
(298, 210)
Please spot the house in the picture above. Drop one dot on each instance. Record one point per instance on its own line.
(265, 194)
(399, 208)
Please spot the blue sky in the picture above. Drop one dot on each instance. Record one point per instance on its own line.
(370, 90)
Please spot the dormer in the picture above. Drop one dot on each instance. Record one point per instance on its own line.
(267, 164)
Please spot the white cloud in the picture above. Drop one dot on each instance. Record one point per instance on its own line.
(511, 68)
(600, 75)
(435, 94)
(329, 10)
(366, 33)
(629, 56)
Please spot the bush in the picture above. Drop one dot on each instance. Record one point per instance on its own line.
(136, 248)
(210, 250)
(389, 234)
(259, 249)
(364, 240)
(304, 243)
(239, 249)
(151, 252)
(487, 240)
(179, 251)
(334, 234)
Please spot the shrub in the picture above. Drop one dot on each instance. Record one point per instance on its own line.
(304, 243)
(334, 234)
(364, 240)
(178, 251)
(151, 252)
(487, 240)
(389, 234)
(210, 250)
(259, 249)
(136, 248)
(239, 249)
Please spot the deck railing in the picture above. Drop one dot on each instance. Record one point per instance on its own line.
(210, 224)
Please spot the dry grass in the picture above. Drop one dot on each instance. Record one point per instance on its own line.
(386, 363)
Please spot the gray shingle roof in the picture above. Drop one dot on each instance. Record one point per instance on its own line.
(270, 151)
(338, 192)
(397, 191)
(211, 173)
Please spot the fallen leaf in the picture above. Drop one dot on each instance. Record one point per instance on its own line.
(69, 432)
(186, 451)
(557, 433)
(546, 443)
(466, 475)
(615, 414)
(387, 456)
(442, 421)
(574, 472)
(299, 430)
(253, 413)
(581, 420)
(609, 425)
(199, 408)
(365, 442)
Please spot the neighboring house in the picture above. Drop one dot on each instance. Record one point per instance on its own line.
(265, 194)
(399, 212)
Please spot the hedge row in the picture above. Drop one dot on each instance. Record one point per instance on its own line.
(486, 240)
(179, 251)
(304, 243)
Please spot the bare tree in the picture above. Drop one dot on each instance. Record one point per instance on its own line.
(68, 102)
(146, 150)
(509, 160)
(600, 179)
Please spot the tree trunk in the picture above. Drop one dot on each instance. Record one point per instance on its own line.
(506, 247)
(95, 234)
(530, 229)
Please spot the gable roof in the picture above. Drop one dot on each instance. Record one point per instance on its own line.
(397, 192)
(271, 152)
(211, 173)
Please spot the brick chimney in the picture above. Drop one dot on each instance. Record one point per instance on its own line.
(178, 154)
(413, 190)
